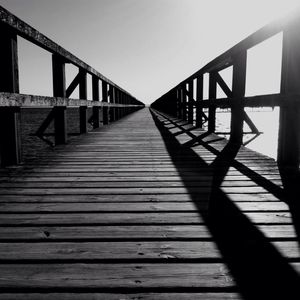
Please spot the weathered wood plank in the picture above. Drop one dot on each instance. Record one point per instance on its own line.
(112, 276)
(116, 296)
(154, 250)
(133, 218)
(132, 206)
(129, 233)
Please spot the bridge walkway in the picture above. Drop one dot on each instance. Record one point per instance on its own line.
(148, 207)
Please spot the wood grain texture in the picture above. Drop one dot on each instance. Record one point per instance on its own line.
(129, 211)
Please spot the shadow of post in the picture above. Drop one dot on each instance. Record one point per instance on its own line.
(258, 268)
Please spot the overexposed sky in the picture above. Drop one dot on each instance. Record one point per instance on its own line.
(147, 46)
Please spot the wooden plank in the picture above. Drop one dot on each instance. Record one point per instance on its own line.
(112, 276)
(133, 206)
(154, 250)
(243, 197)
(130, 233)
(116, 296)
(117, 251)
(133, 218)
(91, 251)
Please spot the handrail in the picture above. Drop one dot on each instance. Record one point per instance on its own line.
(115, 102)
(180, 101)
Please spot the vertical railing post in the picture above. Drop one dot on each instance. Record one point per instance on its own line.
(190, 101)
(95, 95)
(184, 102)
(199, 98)
(83, 95)
(116, 101)
(112, 101)
(289, 120)
(238, 93)
(212, 94)
(177, 103)
(58, 76)
(105, 99)
(10, 140)
(60, 125)
(83, 119)
(180, 100)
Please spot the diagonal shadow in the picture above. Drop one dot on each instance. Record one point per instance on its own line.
(258, 268)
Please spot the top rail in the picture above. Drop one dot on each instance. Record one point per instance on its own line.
(181, 101)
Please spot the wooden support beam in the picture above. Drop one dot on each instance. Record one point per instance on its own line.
(95, 88)
(223, 85)
(105, 99)
(111, 100)
(184, 103)
(250, 123)
(191, 101)
(96, 110)
(199, 98)
(9, 74)
(83, 119)
(10, 140)
(212, 94)
(289, 119)
(82, 84)
(60, 124)
(238, 92)
(58, 76)
(73, 85)
(10, 136)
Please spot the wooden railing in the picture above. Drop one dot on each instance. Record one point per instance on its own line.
(115, 102)
(180, 102)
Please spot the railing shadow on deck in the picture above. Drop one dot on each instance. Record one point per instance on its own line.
(258, 268)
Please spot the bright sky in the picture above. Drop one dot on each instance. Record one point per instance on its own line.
(146, 46)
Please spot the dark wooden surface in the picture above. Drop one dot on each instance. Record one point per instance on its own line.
(143, 209)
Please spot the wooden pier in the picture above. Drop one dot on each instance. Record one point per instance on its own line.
(150, 204)
(133, 212)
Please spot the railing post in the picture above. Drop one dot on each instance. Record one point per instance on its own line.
(95, 94)
(58, 76)
(83, 95)
(199, 98)
(60, 125)
(105, 99)
(190, 102)
(238, 93)
(212, 94)
(289, 119)
(9, 71)
(83, 119)
(10, 138)
(180, 106)
(116, 101)
(184, 102)
(112, 101)
(10, 141)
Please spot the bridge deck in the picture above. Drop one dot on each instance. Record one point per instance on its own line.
(144, 209)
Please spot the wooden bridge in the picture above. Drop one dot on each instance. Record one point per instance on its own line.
(151, 205)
